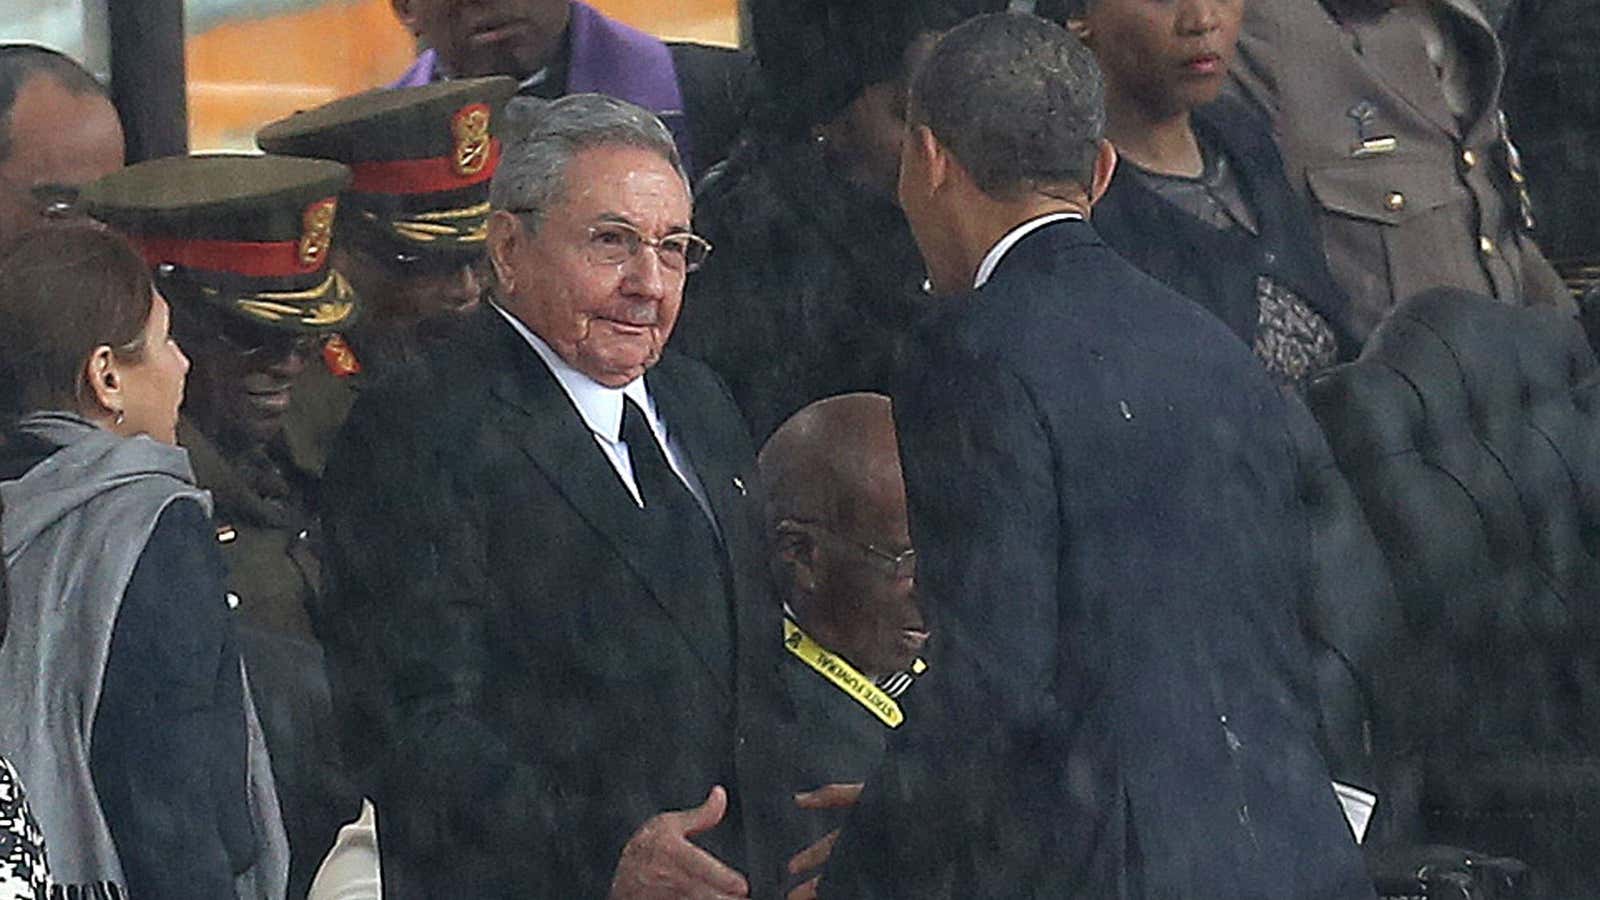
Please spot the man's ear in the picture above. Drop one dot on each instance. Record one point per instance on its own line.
(931, 157)
(1105, 165)
(103, 381)
(505, 236)
(406, 12)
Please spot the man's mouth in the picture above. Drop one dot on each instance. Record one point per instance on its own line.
(633, 319)
(494, 32)
(274, 401)
(1204, 64)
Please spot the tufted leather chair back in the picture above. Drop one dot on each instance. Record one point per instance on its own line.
(1470, 434)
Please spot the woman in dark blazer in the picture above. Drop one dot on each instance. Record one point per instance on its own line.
(121, 692)
(1199, 199)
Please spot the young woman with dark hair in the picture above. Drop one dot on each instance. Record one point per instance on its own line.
(122, 701)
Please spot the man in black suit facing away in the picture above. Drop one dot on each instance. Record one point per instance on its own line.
(552, 615)
(1100, 487)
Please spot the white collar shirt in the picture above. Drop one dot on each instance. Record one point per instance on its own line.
(600, 407)
(1004, 245)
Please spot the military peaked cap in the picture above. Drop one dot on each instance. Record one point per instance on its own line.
(421, 160)
(247, 234)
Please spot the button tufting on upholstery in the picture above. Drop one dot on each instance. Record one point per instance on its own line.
(1469, 434)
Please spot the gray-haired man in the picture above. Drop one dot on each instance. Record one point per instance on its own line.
(552, 605)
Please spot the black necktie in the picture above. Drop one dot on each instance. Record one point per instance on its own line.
(690, 555)
(663, 491)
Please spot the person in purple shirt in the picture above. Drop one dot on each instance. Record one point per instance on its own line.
(557, 47)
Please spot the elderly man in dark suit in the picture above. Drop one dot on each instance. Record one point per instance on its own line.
(553, 603)
(1100, 480)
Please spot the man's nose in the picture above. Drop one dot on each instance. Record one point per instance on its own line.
(290, 361)
(1199, 17)
(645, 275)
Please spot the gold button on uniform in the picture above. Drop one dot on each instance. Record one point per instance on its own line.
(1469, 159)
(1395, 201)
(1486, 245)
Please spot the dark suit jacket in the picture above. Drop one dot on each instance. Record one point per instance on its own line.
(519, 680)
(1101, 494)
(829, 738)
(1552, 103)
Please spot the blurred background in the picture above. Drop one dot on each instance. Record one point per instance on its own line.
(248, 62)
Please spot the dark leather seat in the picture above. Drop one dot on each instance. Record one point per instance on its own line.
(1469, 433)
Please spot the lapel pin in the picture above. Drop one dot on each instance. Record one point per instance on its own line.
(738, 485)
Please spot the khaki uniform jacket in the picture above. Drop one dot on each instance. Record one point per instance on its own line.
(274, 573)
(1406, 197)
(275, 578)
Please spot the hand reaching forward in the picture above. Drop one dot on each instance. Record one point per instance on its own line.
(812, 858)
(660, 861)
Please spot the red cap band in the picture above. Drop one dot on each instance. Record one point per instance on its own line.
(420, 176)
(257, 259)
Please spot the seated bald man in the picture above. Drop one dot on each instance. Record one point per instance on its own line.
(844, 566)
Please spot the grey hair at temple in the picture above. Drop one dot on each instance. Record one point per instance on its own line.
(1019, 101)
(546, 136)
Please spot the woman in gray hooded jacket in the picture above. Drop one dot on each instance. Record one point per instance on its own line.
(122, 698)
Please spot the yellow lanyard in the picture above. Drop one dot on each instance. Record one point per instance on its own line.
(843, 675)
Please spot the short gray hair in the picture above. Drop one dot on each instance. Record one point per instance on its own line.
(1017, 100)
(532, 176)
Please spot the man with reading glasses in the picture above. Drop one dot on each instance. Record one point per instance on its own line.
(548, 554)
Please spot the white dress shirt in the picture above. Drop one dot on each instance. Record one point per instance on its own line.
(1004, 245)
(600, 407)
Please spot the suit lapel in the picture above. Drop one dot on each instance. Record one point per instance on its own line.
(543, 423)
(757, 622)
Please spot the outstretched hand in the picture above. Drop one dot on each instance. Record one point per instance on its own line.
(660, 860)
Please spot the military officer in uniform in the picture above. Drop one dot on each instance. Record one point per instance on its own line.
(410, 239)
(411, 234)
(1388, 115)
(852, 631)
(240, 246)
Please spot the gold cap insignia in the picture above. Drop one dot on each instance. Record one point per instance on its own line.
(316, 232)
(470, 127)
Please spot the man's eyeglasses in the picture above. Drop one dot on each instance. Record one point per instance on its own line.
(897, 566)
(614, 243)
